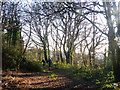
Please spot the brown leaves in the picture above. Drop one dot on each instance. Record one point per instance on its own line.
(38, 80)
(33, 80)
(9, 81)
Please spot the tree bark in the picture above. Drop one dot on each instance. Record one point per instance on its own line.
(112, 43)
(90, 58)
(45, 52)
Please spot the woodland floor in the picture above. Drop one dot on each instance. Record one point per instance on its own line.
(55, 78)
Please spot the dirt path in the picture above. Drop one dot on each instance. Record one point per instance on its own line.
(55, 78)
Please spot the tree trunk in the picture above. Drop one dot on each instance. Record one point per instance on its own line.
(48, 51)
(61, 56)
(105, 60)
(90, 58)
(0, 49)
(0, 40)
(112, 43)
(118, 48)
(71, 58)
(109, 55)
(118, 64)
(20, 42)
(68, 57)
(115, 58)
(45, 52)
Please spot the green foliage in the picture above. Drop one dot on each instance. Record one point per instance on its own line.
(12, 43)
(9, 57)
(52, 75)
(64, 66)
(31, 66)
(109, 77)
(99, 77)
(112, 86)
(102, 77)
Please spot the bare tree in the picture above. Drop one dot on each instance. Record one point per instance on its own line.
(40, 27)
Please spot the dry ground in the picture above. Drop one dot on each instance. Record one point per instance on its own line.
(55, 78)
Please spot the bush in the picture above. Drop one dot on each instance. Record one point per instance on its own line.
(31, 66)
(10, 57)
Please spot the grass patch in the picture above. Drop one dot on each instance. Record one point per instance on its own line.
(52, 75)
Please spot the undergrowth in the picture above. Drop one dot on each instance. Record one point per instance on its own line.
(102, 77)
(31, 66)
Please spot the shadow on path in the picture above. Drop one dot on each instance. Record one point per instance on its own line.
(42, 80)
